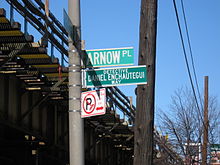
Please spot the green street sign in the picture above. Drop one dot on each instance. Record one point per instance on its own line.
(70, 28)
(115, 76)
(109, 57)
(215, 147)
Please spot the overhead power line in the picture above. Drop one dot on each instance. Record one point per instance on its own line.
(191, 53)
(185, 55)
(187, 63)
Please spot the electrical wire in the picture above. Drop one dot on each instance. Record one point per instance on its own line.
(191, 53)
(192, 61)
(193, 66)
(187, 63)
(185, 56)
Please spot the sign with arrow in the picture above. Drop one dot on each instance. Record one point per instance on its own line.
(93, 103)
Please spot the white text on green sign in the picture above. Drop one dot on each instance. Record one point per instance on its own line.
(115, 76)
(109, 57)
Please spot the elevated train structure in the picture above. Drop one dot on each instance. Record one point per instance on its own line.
(34, 101)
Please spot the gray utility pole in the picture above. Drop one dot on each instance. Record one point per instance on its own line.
(76, 127)
(144, 118)
(206, 123)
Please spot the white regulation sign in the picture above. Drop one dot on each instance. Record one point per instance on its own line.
(93, 103)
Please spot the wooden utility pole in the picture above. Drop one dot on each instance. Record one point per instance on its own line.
(144, 118)
(206, 123)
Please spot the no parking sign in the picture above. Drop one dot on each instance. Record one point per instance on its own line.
(93, 103)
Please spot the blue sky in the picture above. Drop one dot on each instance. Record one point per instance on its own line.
(203, 23)
(115, 24)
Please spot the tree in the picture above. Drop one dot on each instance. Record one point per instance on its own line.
(184, 122)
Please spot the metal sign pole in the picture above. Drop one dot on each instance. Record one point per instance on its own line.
(76, 127)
